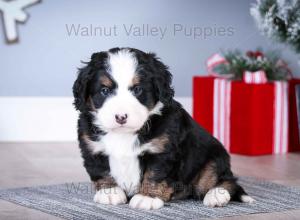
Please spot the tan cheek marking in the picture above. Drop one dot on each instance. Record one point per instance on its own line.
(104, 80)
(206, 179)
(152, 189)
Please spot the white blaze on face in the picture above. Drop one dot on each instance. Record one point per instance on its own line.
(122, 67)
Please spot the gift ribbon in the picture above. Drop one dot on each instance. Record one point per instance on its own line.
(213, 61)
(257, 77)
(221, 108)
(280, 132)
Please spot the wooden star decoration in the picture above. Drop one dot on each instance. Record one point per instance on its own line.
(13, 13)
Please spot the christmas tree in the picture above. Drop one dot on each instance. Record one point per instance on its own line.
(279, 20)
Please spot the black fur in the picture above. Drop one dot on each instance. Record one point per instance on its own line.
(190, 147)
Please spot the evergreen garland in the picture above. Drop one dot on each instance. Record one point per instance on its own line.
(237, 63)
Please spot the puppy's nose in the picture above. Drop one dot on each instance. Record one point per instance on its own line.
(121, 119)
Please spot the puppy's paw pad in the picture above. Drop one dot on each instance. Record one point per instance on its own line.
(247, 199)
(139, 201)
(216, 197)
(110, 196)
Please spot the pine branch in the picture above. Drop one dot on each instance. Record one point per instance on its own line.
(237, 63)
(279, 22)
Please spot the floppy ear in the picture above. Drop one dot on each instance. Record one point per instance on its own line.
(80, 87)
(162, 81)
(85, 74)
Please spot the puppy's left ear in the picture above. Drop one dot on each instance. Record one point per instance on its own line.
(162, 81)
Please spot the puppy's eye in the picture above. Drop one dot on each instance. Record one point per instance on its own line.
(105, 91)
(137, 90)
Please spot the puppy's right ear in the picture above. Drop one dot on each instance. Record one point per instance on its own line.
(85, 74)
(80, 87)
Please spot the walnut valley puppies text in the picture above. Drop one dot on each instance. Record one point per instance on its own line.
(149, 30)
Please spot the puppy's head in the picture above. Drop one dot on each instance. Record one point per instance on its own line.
(122, 88)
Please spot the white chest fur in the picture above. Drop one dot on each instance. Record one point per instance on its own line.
(123, 150)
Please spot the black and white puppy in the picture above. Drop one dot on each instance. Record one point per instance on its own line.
(138, 143)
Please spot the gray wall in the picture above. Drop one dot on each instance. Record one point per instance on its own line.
(44, 62)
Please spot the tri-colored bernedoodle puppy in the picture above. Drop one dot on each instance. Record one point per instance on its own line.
(138, 143)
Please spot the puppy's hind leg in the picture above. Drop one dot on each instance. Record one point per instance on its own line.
(206, 184)
(225, 192)
(217, 196)
(241, 196)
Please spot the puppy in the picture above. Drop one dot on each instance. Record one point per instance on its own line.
(138, 143)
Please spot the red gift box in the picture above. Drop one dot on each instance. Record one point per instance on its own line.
(249, 119)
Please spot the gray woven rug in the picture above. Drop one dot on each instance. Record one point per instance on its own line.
(74, 201)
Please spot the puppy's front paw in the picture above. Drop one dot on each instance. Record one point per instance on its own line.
(140, 201)
(110, 196)
(216, 197)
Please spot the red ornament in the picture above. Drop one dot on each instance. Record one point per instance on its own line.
(250, 54)
(258, 54)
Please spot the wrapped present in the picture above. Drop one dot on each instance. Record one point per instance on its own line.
(250, 117)
(298, 104)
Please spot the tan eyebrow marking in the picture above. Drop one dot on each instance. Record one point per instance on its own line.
(135, 80)
(104, 80)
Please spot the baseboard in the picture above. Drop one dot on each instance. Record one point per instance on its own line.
(44, 119)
